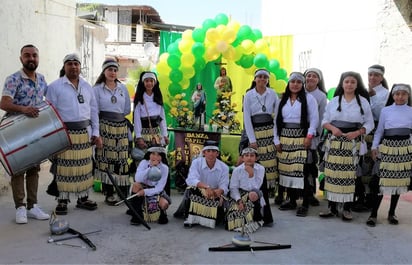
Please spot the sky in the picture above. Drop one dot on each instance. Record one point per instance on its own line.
(194, 12)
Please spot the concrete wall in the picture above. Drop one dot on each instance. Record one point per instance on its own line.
(49, 25)
(338, 36)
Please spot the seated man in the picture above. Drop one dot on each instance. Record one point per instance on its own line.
(151, 200)
(246, 198)
(208, 181)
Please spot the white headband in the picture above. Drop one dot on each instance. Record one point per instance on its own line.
(249, 150)
(157, 149)
(262, 72)
(297, 76)
(109, 63)
(210, 147)
(149, 75)
(401, 87)
(375, 70)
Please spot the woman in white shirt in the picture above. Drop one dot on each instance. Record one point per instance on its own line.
(149, 114)
(347, 117)
(295, 127)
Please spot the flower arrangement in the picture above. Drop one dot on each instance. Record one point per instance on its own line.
(224, 116)
(181, 112)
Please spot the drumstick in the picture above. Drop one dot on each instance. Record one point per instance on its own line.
(128, 198)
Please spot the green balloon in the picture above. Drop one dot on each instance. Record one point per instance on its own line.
(244, 33)
(174, 89)
(176, 75)
(221, 19)
(199, 65)
(199, 34)
(173, 61)
(273, 65)
(198, 49)
(208, 23)
(331, 93)
(246, 61)
(261, 61)
(257, 33)
(173, 48)
(281, 73)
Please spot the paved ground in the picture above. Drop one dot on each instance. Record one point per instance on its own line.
(313, 240)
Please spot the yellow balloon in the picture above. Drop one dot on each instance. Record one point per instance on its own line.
(211, 53)
(272, 79)
(261, 46)
(221, 46)
(185, 46)
(163, 57)
(220, 29)
(229, 35)
(230, 53)
(239, 51)
(187, 34)
(212, 35)
(233, 25)
(164, 80)
(279, 86)
(187, 59)
(184, 83)
(248, 46)
(188, 72)
(163, 68)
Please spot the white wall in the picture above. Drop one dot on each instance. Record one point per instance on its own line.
(48, 24)
(343, 35)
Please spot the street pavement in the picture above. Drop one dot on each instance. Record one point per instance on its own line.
(314, 240)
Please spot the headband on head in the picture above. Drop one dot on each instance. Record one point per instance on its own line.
(157, 149)
(211, 145)
(249, 150)
(297, 76)
(376, 69)
(109, 63)
(71, 57)
(401, 87)
(316, 71)
(149, 75)
(262, 72)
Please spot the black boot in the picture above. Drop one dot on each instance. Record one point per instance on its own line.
(163, 218)
(137, 204)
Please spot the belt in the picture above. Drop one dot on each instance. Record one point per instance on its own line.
(397, 132)
(77, 125)
(111, 116)
(292, 125)
(262, 118)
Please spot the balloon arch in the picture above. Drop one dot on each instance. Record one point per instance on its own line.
(217, 39)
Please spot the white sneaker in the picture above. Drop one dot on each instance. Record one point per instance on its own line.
(37, 213)
(21, 215)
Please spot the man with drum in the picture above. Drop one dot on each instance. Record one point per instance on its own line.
(75, 101)
(22, 91)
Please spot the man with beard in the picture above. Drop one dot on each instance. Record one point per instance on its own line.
(75, 101)
(22, 91)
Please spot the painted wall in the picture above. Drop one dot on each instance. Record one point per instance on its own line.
(49, 25)
(338, 36)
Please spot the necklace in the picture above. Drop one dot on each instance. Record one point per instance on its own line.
(264, 103)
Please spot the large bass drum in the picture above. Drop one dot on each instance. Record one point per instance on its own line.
(26, 142)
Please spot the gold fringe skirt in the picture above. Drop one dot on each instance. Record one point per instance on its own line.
(75, 166)
(202, 211)
(340, 169)
(115, 152)
(236, 218)
(292, 159)
(267, 152)
(395, 170)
